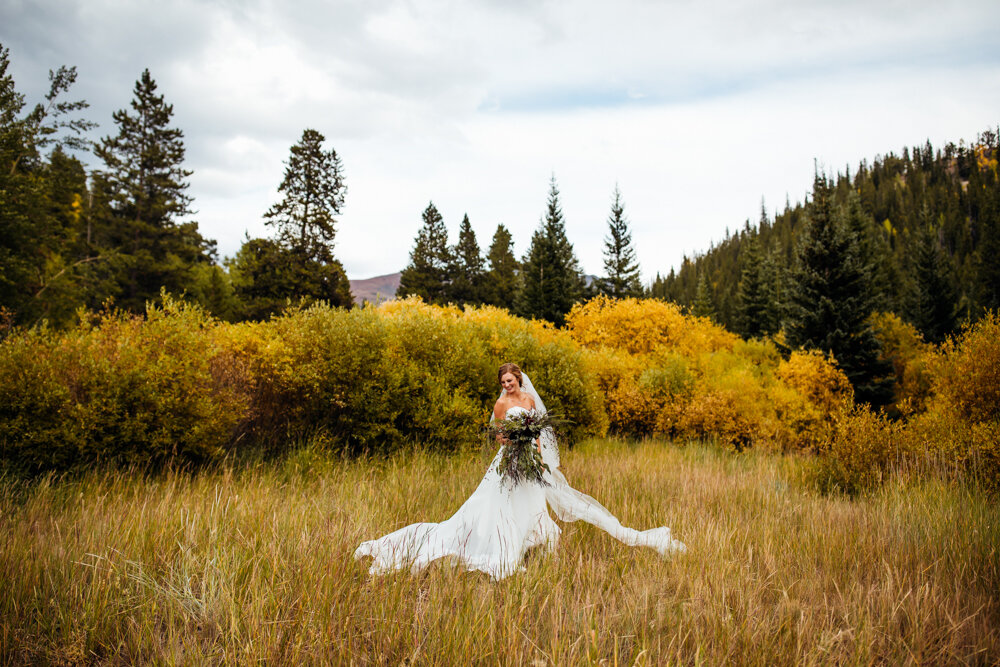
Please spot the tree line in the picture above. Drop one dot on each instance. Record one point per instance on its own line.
(544, 284)
(916, 235)
(122, 233)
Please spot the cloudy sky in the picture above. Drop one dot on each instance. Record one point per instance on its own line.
(697, 110)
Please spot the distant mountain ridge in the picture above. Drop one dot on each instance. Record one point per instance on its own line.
(375, 290)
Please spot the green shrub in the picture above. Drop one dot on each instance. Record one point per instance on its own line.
(126, 389)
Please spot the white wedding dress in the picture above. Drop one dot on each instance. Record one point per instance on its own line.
(494, 528)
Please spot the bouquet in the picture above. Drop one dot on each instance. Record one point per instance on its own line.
(521, 460)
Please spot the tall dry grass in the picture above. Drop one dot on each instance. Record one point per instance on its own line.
(253, 563)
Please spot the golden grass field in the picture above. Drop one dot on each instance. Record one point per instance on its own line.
(252, 563)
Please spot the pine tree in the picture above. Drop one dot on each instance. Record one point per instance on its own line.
(756, 297)
(267, 275)
(703, 306)
(466, 271)
(987, 257)
(932, 304)
(620, 264)
(298, 265)
(145, 185)
(831, 300)
(314, 190)
(872, 250)
(426, 275)
(501, 283)
(551, 277)
(38, 221)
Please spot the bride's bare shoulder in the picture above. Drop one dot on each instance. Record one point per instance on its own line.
(500, 408)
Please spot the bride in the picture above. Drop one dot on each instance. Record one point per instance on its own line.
(499, 522)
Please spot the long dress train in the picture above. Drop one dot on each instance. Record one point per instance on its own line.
(494, 528)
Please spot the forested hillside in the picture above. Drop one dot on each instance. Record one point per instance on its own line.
(926, 223)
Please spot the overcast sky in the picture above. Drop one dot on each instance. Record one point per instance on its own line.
(697, 110)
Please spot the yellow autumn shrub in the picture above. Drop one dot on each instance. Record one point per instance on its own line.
(120, 388)
(861, 449)
(911, 359)
(643, 326)
(967, 378)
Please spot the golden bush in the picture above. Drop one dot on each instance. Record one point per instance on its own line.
(967, 376)
(643, 326)
(861, 449)
(911, 359)
(120, 388)
(818, 379)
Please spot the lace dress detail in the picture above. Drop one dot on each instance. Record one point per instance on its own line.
(494, 528)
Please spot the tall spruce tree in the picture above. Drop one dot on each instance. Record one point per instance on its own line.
(426, 275)
(933, 301)
(466, 271)
(501, 281)
(756, 296)
(987, 257)
(313, 187)
(621, 267)
(298, 265)
(831, 300)
(552, 280)
(40, 211)
(703, 305)
(145, 185)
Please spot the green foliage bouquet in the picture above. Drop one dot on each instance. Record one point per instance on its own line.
(521, 460)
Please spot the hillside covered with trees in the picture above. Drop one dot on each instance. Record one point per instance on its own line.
(926, 233)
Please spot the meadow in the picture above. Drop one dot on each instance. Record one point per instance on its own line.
(248, 562)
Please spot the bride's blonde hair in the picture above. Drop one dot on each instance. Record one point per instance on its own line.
(513, 369)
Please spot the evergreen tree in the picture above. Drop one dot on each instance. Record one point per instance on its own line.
(213, 289)
(703, 306)
(426, 275)
(932, 304)
(620, 264)
(298, 265)
(501, 283)
(872, 250)
(551, 277)
(831, 300)
(267, 275)
(466, 272)
(986, 261)
(314, 190)
(39, 200)
(144, 183)
(756, 297)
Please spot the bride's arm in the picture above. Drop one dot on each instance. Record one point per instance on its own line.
(499, 412)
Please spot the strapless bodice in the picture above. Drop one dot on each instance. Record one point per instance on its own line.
(515, 410)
